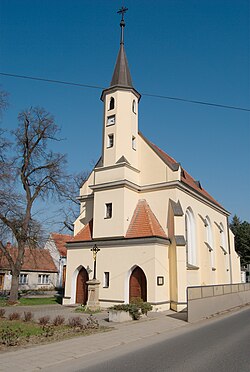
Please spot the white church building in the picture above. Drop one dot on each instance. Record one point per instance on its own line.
(158, 230)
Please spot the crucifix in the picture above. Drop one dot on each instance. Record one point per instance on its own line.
(122, 11)
(94, 250)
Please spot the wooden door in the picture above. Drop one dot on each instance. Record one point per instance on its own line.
(138, 284)
(1, 281)
(64, 276)
(82, 287)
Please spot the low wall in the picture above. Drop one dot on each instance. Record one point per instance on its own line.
(205, 301)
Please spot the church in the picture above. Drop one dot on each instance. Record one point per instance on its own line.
(156, 229)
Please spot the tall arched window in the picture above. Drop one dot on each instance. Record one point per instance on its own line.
(111, 103)
(209, 241)
(223, 239)
(134, 106)
(190, 238)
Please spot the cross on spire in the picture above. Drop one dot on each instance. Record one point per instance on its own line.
(122, 11)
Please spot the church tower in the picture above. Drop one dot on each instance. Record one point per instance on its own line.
(120, 123)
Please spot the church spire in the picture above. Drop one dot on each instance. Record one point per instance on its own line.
(121, 76)
(122, 11)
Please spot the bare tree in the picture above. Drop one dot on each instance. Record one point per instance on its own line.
(71, 207)
(31, 171)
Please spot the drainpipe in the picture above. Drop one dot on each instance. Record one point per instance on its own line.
(229, 252)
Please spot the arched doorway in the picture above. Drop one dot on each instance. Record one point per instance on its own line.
(82, 287)
(137, 284)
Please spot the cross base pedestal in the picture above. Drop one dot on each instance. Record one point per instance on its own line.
(93, 294)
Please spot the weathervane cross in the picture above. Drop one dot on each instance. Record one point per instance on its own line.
(122, 11)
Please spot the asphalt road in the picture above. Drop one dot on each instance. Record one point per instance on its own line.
(215, 345)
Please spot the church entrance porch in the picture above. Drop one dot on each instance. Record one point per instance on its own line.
(82, 287)
(137, 285)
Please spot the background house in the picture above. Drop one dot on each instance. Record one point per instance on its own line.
(56, 245)
(38, 270)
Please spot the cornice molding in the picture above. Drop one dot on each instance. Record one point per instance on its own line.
(119, 241)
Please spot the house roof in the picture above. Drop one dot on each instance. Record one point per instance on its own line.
(35, 259)
(144, 223)
(84, 234)
(60, 242)
(186, 178)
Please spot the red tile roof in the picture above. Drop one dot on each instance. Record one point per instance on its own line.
(35, 259)
(185, 176)
(85, 234)
(144, 223)
(189, 181)
(60, 241)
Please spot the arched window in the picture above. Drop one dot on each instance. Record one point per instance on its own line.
(111, 103)
(134, 106)
(209, 241)
(223, 239)
(190, 238)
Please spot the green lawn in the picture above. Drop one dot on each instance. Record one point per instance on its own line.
(33, 301)
(25, 329)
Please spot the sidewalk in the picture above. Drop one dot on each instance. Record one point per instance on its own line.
(52, 356)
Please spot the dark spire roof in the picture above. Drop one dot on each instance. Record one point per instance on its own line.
(121, 75)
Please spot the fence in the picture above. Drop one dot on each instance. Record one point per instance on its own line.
(205, 301)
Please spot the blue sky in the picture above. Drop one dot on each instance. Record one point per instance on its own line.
(193, 49)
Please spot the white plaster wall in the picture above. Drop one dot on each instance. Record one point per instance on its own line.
(119, 262)
(106, 227)
(51, 247)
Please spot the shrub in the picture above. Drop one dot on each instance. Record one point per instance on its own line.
(44, 320)
(27, 316)
(48, 330)
(135, 308)
(9, 337)
(76, 322)
(145, 307)
(2, 312)
(14, 316)
(92, 322)
(59, 320)
(80, 309)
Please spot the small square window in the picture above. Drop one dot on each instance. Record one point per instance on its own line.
(111, 120)
(108, 213)
(106, 280)
(110, 140)
(160, 280)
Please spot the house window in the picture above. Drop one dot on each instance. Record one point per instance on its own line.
(43, 278)
(110, 140)
(190, 238)
(111, 120)
(23, 279)
(106, 280)
(111, 103)
(108, 213)
(133, 143)
(134, 106)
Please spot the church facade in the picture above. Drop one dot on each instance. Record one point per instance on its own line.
(158, 230)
